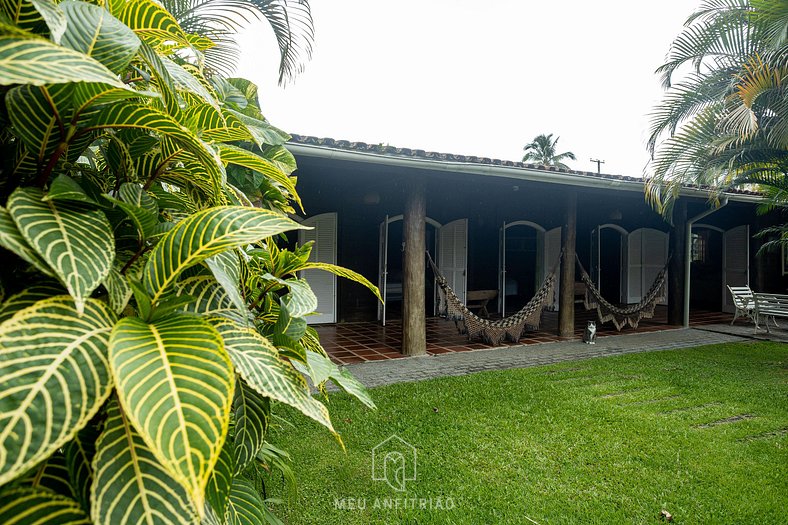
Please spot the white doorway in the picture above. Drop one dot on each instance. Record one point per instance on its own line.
(390, 250)
(608, 267)
(526, 253)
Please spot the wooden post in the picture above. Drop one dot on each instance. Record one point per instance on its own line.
(566, 298)
(414, 326)
(677, 249)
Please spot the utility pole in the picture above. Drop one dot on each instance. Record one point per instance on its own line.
(598, 165)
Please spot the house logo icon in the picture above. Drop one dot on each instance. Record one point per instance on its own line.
(394, 461)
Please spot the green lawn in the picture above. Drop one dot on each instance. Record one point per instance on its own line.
(612, 440)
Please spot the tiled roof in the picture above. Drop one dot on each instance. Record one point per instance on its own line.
(391, 151)
(380, 149)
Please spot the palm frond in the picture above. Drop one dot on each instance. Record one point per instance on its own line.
(290, 20)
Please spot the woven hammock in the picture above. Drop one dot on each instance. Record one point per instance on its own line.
(631, 314)
(493, 332)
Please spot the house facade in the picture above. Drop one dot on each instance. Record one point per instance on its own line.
(500, 226)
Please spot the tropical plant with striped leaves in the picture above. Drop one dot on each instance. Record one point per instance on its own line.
(149, 323)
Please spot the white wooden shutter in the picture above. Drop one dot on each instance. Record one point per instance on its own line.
(735, 262)
(647, 253)
(323, 284)
(453, 255)
(552, 249)
(655, 256)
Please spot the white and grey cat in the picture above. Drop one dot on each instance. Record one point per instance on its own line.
(589, 336)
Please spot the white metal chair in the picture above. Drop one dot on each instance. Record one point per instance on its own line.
(744, 302)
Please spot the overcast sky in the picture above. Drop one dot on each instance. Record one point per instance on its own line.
(477, 78)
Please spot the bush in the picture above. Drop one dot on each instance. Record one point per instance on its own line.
(149, 320)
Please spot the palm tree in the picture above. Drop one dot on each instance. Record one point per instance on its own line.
(220, 20)
(725, 124)
(542, 150)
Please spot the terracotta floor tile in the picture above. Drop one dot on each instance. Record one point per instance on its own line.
(356, 342)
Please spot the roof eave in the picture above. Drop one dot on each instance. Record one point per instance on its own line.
(509, 172)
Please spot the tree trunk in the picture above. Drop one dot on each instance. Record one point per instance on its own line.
(566, 299)
(414, 328)
(678, 251)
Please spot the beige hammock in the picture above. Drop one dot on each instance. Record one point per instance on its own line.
(493, 332)
(622, 316)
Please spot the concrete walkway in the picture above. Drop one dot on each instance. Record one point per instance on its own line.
(777, 334)
(379, 373)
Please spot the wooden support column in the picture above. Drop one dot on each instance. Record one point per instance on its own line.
(414, 325)
(566, 298)
(677, 247)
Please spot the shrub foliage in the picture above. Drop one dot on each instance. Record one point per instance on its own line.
(149, 320)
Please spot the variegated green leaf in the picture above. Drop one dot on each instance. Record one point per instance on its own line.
(36, 61)
(129, 484)
(140, 116)
(41, 117)
(149, 20)
(163, 79)
(64, 188)
(175, 384)
(53, 16)
(51, 474)
(144, 221)
(54, 376)
(258, 362)
(134, 194)
(211, 299)
(342, 272)
(204, 234)
(301, 300)
(282, 157)
(117, 157)
(323, 368)
(11, 239)
(90, 94)
(92, 30)
(79, 454)
(216, 126)
(226, 268)
(246, 505)
(76, 243)
(252, 412)
(210, 516)
(227, 93)
(217, 493)
(188, 83)
(28, 297)
(234, 155)
(29, 506)
(261, 131)
(28, 15)
(118, 290)
(288, 330)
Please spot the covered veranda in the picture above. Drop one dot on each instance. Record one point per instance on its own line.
(498, 226)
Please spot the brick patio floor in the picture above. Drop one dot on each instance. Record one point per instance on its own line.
(349, 343)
